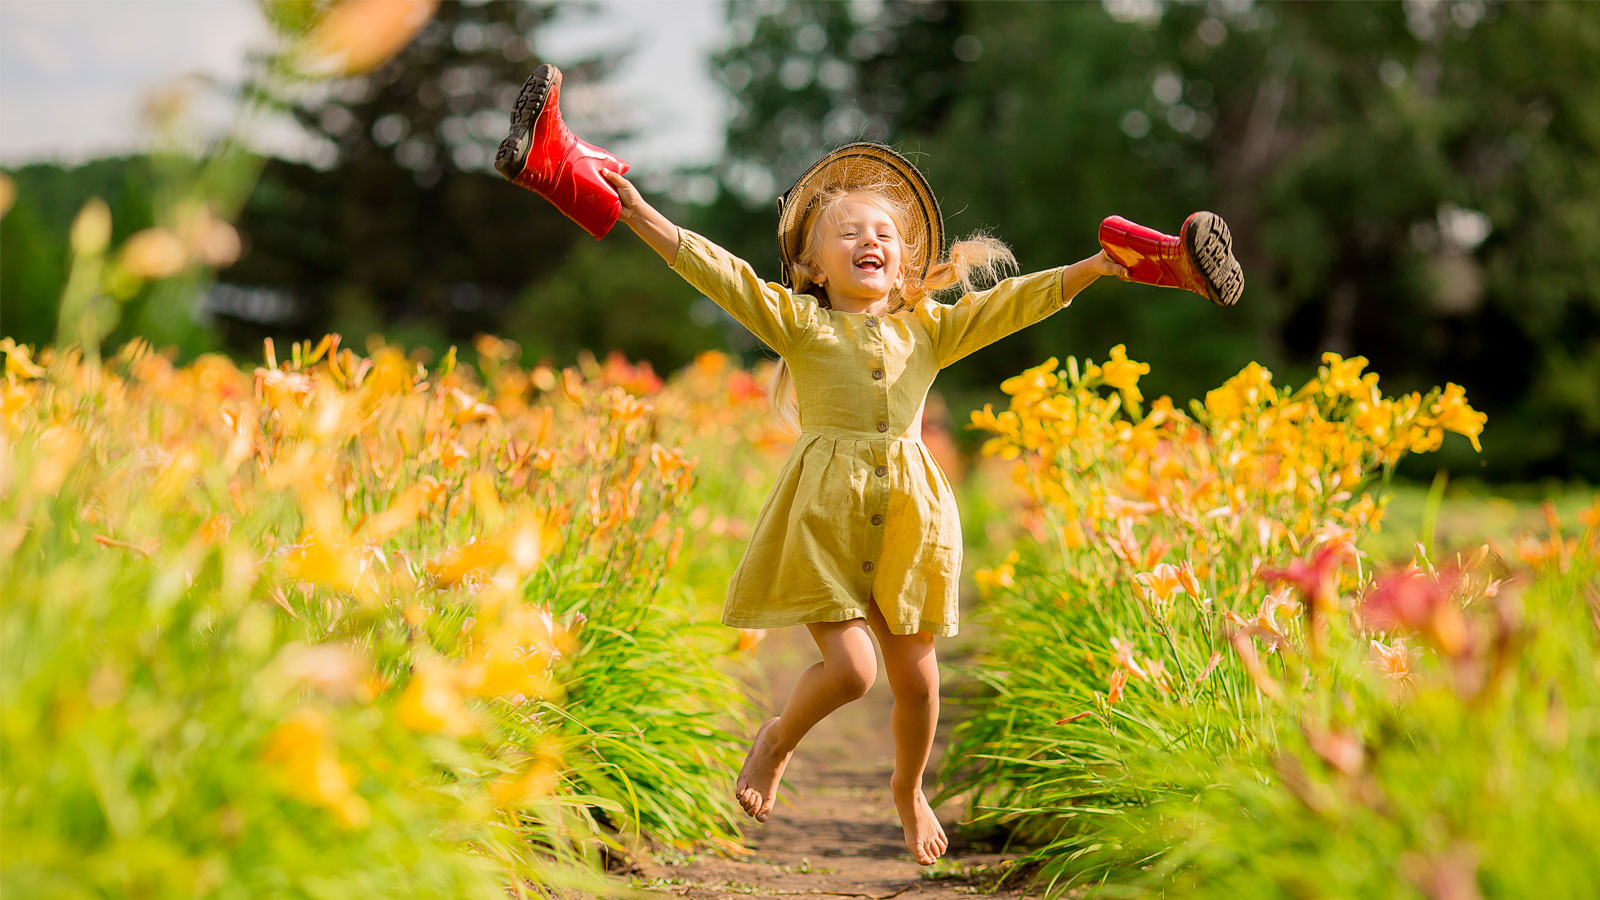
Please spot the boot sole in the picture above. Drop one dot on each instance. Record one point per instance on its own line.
(1209, 244)
(512, 155)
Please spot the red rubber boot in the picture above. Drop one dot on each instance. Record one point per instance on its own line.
(543, 155)
(1199, 259)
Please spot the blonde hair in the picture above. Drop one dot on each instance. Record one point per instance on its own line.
(978, 257)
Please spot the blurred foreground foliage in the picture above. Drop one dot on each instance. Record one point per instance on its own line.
(338, 626)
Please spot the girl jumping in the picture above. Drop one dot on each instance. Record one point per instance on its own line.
(860, 535)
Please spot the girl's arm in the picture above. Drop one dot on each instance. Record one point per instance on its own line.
(646, 221)
(770, 311)
(980, 318)
(1083, 273)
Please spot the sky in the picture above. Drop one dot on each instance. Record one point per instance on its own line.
(75, 74)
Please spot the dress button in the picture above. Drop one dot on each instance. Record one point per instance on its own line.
(877, 519)
(872, 321)
(866, 566)
(877, 374)
(881, 470)
(883, 426)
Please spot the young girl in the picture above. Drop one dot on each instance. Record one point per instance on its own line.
(860, 535)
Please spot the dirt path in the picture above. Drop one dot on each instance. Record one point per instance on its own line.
(835, 831)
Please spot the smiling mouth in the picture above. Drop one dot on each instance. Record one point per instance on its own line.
(869, 265)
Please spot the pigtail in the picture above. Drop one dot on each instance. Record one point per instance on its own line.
(780, 393)
(978, 258)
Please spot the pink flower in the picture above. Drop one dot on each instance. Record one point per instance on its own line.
(1416, 601)
(1314, 579)
(1316, 582)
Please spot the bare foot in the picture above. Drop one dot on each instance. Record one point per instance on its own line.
(924, 836)
(757, 787)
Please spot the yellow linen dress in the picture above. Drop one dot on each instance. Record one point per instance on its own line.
(860, 510)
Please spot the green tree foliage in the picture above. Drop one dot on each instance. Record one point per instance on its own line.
(405, 228)
(33, 234)
(401, 219)
(1411, 182)
(805, 77)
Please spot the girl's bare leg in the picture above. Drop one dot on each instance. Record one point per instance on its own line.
(846, 672)
(913, 672)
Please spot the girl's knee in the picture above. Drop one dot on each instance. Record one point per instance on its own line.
(855, 676)
(914, 692)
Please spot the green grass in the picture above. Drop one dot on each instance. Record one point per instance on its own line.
(1472, 513)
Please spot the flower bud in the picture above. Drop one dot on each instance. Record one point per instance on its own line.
(154, 253)
(91, 230)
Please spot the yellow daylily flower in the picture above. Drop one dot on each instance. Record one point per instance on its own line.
(1342, 377)
(1123, 374)
(1453, 414)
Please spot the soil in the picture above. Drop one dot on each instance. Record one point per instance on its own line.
(834, 832)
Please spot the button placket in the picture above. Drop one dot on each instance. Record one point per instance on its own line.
(878, 376)
(875, 344)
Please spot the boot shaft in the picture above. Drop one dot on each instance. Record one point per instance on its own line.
(542, 154)
(1198, 259)
(1150, 256)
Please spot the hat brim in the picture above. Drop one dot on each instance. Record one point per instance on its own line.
(863, 164)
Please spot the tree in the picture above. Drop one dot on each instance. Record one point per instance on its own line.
(807, 77)
(400, 220)
(1410, 182)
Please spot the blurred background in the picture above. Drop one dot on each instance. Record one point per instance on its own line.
(1414, 182)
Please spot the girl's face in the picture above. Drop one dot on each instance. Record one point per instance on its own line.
(858, 251)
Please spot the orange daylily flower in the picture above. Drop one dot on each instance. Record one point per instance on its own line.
(1119, 680)
(538, 780)
(433, 702)
(1159, 584)
(301, 749)
(1394, 661)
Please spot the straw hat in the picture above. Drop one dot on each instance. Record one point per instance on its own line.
(859, 165)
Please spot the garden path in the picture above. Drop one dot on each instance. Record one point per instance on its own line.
(835, 832)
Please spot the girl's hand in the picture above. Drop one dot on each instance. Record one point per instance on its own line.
(1083, 273)
(646, 222)
(632, 203)
(1102, 264)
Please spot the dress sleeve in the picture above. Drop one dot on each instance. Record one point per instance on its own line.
(980, 318)
(771, 311)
